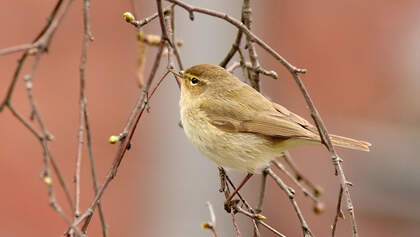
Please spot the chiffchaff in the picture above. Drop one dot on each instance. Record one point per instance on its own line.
(236, 127)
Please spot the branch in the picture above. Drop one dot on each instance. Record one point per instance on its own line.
(339, 213)
(17, 48)
(259, 219)
(316, 190)
(291, 194)
(243, 28)
(325, 138)
(308, 194)
(263, 71)
(247, 20)
(295, 73)
(84, 121)
(212, 223)
(42, 42)
(162, 23)
(124, 138)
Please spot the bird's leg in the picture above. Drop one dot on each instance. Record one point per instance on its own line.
(227, 202)
(222, 176)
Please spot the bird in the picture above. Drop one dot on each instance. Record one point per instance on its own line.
(238, 128)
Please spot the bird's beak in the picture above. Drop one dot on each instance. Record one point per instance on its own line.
(179, 75)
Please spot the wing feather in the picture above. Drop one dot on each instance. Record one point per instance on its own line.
(259, 116)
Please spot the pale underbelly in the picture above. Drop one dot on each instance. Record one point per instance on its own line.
(241, 151)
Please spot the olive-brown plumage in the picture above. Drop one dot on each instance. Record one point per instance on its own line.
(235, 126)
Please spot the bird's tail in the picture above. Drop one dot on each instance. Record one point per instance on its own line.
(349, 143)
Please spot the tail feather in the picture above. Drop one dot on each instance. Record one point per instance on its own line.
(350, 143)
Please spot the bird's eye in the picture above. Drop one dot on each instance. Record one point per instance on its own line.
(194, 80)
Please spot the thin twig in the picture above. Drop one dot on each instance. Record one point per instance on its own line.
(317, 191)
(256, 217)
(262, 192)
(168, 23)
(239, 195)
(84, 119)
(17, 48)
(41, 42)
(80, 141)
(339, 213)
(256, 229)
(235, 225)
(260, 201)
(125, 139)
(291, 194)
(254, 73)
(294, 180)
(163, 27)
(212, 223)
(24, 122)
(46, 174)
(233, 49)
(242, 27)
(325, 138)
(263, 71)
(172, 35)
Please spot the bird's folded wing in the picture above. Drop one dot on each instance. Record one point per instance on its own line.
(273, 122)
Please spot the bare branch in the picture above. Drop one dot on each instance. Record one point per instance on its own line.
(162, 23)
(235, 225)
(212, 223)
(242, 27)
(254, 73)
(125, 139)
(263, 71)
(291, 194)
(233, 50)
(316, 190)
(282, 169)
(257, 217)
(339, 212)
(325, 138)
(17, 48)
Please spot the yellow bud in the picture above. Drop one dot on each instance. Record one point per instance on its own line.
(113, 139)
(260, 217)
(128, 17)
(47, 180)
(207, 225)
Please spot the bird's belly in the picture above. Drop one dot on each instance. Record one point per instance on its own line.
(241, 151)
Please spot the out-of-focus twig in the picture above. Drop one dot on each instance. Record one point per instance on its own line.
(294, 180)
(40, 44)
(124, 138)
(211, 225)
(316, 190)
(291, 194)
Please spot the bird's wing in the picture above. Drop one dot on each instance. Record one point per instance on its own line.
(258, 116)
(294, 117)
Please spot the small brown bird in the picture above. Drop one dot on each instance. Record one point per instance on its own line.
(237, 127)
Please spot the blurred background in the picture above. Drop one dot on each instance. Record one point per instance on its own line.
(362, 59)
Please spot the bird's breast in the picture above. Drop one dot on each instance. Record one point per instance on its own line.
(242, 151)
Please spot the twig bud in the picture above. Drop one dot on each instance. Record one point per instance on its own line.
(47, 180)
(319, 208)
(260, 217)
(113, 139)
(207, 225)
(128, 17)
